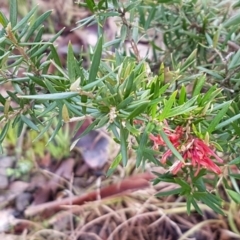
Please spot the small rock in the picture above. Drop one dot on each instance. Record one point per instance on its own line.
(8, 236)
(6, 217)
(7, 161)
(22, 201)
(3, 179)
(18, 186)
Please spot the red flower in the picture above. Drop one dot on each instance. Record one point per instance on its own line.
(200, 153)
(167, 154)
(195, 151)
(176, 167)
(157, 141)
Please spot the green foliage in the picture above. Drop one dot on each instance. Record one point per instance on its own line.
(129, 95)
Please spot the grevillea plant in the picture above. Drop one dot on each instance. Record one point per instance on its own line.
(178, 110)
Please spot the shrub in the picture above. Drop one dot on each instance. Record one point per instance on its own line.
(179, 109)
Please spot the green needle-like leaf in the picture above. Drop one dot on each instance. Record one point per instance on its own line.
(170, 146)
(218, 117)
(29, 123)
(123, 143)
(13, 12)
(52, 96)
(168, 106)
(71, 64)
(96, 60)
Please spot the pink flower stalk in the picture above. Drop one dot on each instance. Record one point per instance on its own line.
(194, 151)
(157, 141)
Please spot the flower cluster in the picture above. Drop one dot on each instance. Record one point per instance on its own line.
(195, 151)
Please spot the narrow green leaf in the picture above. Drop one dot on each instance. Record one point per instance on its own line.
(115, 4)
(52, 96)
(213, 206)
(116, 161)
(62, 71)
(111, 43)
(195, 205)
(168, 106)
(135, 32)
(25, 19)
(22, 33)
(138, 110)
(198, 180)
(129, 85)
(36, 24)
(227, 122)
(49, 86)
(13, 12)
(209, 40)
(37, 80)
(14, 97)
(198, 85)
(170, 192)
(234, 196)
(189, 61)
(70, 63)
(85, 22)
(214, 199)
(185, 186)
(210, 72)
(168, 1)
(15, 121)
(235, 161)
(91, 5)
(209, 200)
(20, 127)
(57, 128)
(123, 145)
(236, 176)
(44, 130)
(55, 56)
(114, 165)
(234, 20)
(216, 38)
(132, 5)
(123, 32)
(29, 123)
(131, 129)
(46, 45)
(65, 113)
(170, 146)
(189, 202)
(96, 60)
(182, 109)
(211, 94)
(150, 18)
(182, 95)
(103, 121)
(125, 102)
(4, 131)
(3, 20)
(218, 117)
(235, 60)
(142, 145)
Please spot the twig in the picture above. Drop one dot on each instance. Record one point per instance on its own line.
(130, 38)
(233, 45)
(227, 79)
(10, 35)
(148, 214)
(139, 181)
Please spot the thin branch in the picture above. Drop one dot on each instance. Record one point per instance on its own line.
(129, 34)
(139, 181)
